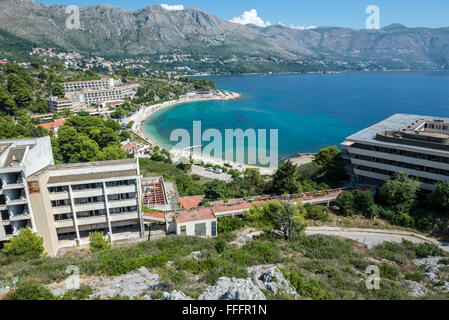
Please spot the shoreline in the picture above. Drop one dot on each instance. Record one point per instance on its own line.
(219, 95)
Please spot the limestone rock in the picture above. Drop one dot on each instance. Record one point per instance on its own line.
(233, 289)
(175, 295)
(417, 290)
(268, 277)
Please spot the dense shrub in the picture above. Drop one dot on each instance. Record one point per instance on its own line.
(389, 271)
(316, 212)
(229, 224)
(425, 224)
(424, 250)
(307, 288)
(116, 262)
(398, 218)
(325, 247)
(26, 243)
(98, 242)
(220, 245)
(262, 252)
(345, 201)
(397, 252)
(415, 276)
(32, 291)
(399, 192)
(363, 201)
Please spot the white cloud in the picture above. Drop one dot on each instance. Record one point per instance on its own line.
(302, 27)
(172, 8)
(251, 16)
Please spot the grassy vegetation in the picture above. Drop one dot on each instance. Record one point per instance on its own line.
(319, 267)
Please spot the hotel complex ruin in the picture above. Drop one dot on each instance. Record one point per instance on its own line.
(81, 94)
(412, 144)
(72, 200)
(17, 162)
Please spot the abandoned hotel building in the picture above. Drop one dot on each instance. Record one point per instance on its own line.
(412, 144)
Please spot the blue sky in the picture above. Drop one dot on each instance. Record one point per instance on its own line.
(342, 13)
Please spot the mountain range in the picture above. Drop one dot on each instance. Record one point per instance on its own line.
(111, 31)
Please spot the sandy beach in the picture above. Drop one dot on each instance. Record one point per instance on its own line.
(219, 95)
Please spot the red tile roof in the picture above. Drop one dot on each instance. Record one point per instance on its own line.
(157, 215)
(190, 202)
(53, 125)
(234, 207)
(196, 215)
(129, 146)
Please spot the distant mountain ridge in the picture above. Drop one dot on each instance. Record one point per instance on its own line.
(111, 31)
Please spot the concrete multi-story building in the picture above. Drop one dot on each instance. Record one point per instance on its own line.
(121, 92)
(72, 200)
(412, 144)
(19, 159)
(104, 83)
(58, 104)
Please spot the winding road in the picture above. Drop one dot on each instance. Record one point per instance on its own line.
(372, 237)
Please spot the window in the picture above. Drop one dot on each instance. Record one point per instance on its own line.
(183, 230)
(57, 189)
(60, 203)
(8, 230)
(214, 228)
(200, 229)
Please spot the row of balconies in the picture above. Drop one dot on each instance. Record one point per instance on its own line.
(92, 192)
(95, 206)
(96, 219)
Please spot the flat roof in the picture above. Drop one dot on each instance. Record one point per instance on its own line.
(196, 215)
(91, 176)
(86, 164)
(396, 122)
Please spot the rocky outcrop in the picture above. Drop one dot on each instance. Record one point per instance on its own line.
(268, 277)
(175, 295)
(431, 266)
(233, 289)
(246, 236)
(417, 290)
(264, 277)
(138, 283)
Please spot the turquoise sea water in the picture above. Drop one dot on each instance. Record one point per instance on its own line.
(311, 111)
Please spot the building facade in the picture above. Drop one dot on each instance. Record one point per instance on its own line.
(121, 92)
(74, 199)
(412, 144)
(57, 104)
(199, 223)
(18, 160)
(105, 83)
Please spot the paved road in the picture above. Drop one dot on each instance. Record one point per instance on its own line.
(207, 174)
(372, 237)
